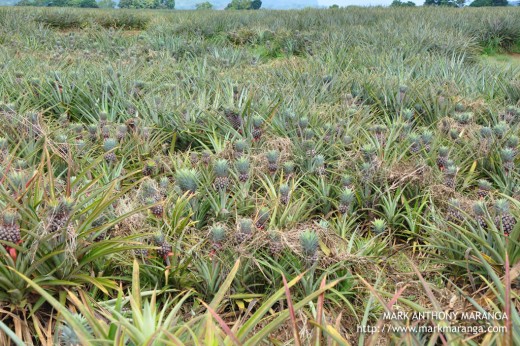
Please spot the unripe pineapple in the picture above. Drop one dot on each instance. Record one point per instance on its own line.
(504, 220)
(309, 146)
(442, 157)
(507, 155)
(9, 228)
(319, 165)
(122, 131)
(218, 236)
(486, 133)
(257, 127)
(157, 210)
(77, 129)
(187, 180)
(149, 168)
(240, 146)
(308, 134)
(164, 185)
(347, 181)
(62, 143)
(165, 249)
(369, 152)
(309, 242)
(272, 160)
(59, 214)
(459, 107)
(275, 243)
(500, 129)
(284, 194)
(194, 158)
(345, 200)
(407, 114)
(245, 230)
(149, 190)
(234, 119)
(479, 210)
(449, 176)
(484, 187)
(93, 132)
(221, 169)
(454, 134)
(464, 118)
(347, 140)
(288, 169)
(454, 214)
(415, 143)
(109, 146)
(242, 167)
(426, 139)
(378, 226)
(262, 218)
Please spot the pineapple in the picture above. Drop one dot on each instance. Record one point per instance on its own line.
(367, 171)
(442, 157)
(187, 180)
(221, 169)
(284, 194)
(449, 176)
(93, 132)
(275, 243)
(288, 169)
(426, 139)
(234, 119)
(218, 236)
(206, 157)
(319, 165)
(262, 218)
(479, 210)
(245, 230)
(369, 152)
(504, 220)
(309, 146)
(378, 226)
(257, 127)
(272, 160)
(122, 131)
(165, 249)
(500, 129)
(345, 200)
(308, 134)
(4, 148)
(59, 214)
(454, 214)
(512, 143)
(103, 119)
(240, 146)
(157, 210)
(408, 114)
(347, 182)
(109, 146)
(454, 134)
(484, 187)
(303, 122)
(9, 228)
(486, 133)
(63, 145)
(508, 157)
(415, 143)
(459, 107)
(347, 140)
(309, 242)
(242, 167)
(194, 158)
(149, 168)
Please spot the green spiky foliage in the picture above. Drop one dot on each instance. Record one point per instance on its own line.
(415, 143)
(454, 211)
(484, 187)
(408, 114)
(449, 176)
(378, 226)
(149, 190)
(242, 167)
(507, 155)
(258, 122)
(504, 221)
(309, 242)
(240, 147)
(245, 230)
(272, 157)
(9, 227)
(67, 336)
(319, 165)
(109, 146)
(221, 169)
(262, 218)
(149, 168)
(486, 132)
(442, 157)
(187, 180)
(284, 193)
(426, 140)
(479, 212)
(218, 236)
(369, 152)
(464, 118)
(17, 180)
(346, 198)
(500, 129)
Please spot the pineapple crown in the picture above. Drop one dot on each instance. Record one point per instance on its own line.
(109, 144)
(454, 203)
(158, 238)
(9, 217)
(486, 132)
(512, 110)
(403, 88)
(512, 141)
(258, 121)
(63, 119)
(3, 143)
(303, 122)
(414, 138)
(407, 114)
(479, 208)
(319, 160)
(272, 156)
(309, 242)
(240, 145)
(309, 144)
(500, 129)
(284, 189)
(507, 154)
(151, 164)
(427, 136)
(103, 116)
(366, 167)
(164, 182)
(464, 118)
(485, 185)
(275, 236)
(347, 197)
(502, 206)
(20, 164)
(288, 167)
(66, 205)
(378, 226)
(459, 107)
(92, 129)
(347, 139)
(61, 138)
(218, 234)
(122, 128)
(246, 226)
(221, 168)
(451, 170)
(148, 188)
(308, 133)
(187, 180)
(368, 151)
(443, 151)
(242, 165)
(149, 201)
(18, 179)
(346, 180)
(77, 128)
(454, 134)
(263, 214)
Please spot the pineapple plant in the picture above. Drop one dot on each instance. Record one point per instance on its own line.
(240, 147)
(504, 220)
(512, 143)
(378, 226)
(245, 230)
(347, 181)
(453, 213)
(242, 167)
(442, 157)
(309, 147)
(93, 132)
(275, 243)
(218, 236)
(165, 249)
(59, 214)
(288, 169)
(121, 132)
(449, 176)
(206, 157)
(272, 160)
(346, 198)
(234, 118)
(262, 218)
(500, 129)
(369, 153)
(109, 146)
(187, 180)
(507, 155)
(221, 169)
(484, 187)
(194, 158)
(479, 211)
(309, 242)
(426, 140)
(303, 123)
(319, 165)
(9, 228)
(415, 143)
(149, 168)
(367, 171)
(308, 134)
(63, 145)
(164, 185)
(4, 148)
(454, 134)
(257, 127)
(284, 194)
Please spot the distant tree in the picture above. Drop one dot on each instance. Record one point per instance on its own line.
(447, 3)
(151, 4)
(256, 4)
(399, 3)
(334, 6)
(204, 6)
(484, 3)
(107, 4)
(244, 5)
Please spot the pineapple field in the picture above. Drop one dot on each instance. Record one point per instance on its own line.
(315, 177)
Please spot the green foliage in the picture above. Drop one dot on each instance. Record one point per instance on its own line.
(399, 3)
(151, 4)
(485, 3)
(244, 5)
(204, 6)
